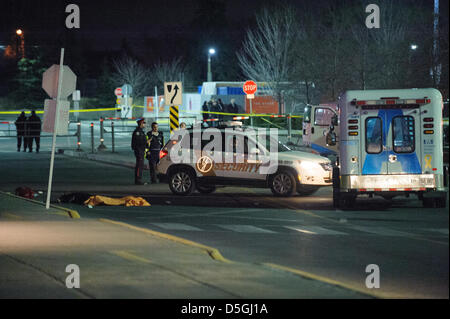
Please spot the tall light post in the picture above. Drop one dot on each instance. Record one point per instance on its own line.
(210, 53)
(436, 69)
(413, 48)
(20, 34)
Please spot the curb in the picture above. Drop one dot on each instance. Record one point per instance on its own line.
(93, 157)
(70, 212)
(333, 282)
(214, 253)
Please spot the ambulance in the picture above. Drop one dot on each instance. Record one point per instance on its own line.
(390, 144)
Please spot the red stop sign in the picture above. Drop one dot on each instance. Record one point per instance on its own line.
(249, 87)
(118, 91)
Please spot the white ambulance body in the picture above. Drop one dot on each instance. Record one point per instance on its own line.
(316, 124)
(390, 144)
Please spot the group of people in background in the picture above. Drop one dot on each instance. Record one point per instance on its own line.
(218, 106)
(28, 129)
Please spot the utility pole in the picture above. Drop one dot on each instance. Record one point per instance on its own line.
(437, 66)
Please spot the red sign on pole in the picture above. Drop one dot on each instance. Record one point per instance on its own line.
(249, 87)
(118, 92)
(261, 104)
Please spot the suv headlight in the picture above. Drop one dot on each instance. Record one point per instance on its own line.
(307, 165)
(326, 166)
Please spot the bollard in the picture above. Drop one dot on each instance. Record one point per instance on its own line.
(112, 135)
(79, 137)
(289, 120)
(92, 138)
(102, 146)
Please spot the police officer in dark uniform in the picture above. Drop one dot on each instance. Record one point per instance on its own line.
(20, 127)
(155, 142)
(205, 108)
(34, 131)
(138, 144)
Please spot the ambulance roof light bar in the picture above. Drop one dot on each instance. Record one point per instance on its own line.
(391, 101)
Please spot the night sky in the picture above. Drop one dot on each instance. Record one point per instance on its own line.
(149, 31)
(107, 22)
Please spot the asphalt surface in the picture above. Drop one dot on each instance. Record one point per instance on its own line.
(118, 261)
(408, 242)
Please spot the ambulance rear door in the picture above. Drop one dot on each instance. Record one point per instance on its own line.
(390, 137)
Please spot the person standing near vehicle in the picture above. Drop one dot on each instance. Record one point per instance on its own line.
(215, 107)
(155, 142)
(205, 108)
(221, 109)
(20, 128)
(34, 131)
(138, 144)
(233, 107)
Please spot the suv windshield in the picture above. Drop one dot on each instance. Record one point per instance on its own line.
(280, 146)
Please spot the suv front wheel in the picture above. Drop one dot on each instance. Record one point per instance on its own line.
(283, 184)
(181, 181)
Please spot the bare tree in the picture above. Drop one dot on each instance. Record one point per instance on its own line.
(266, 55)
(172, 71)
(389, 45)
(130, 71)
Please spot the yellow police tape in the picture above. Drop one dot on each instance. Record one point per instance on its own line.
(140, 106)
(71, 111)
(235, 114)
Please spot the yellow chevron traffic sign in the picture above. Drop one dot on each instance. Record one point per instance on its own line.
(174, 118)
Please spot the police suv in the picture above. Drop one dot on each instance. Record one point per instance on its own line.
(202, 159)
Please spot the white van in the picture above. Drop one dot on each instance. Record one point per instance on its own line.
(390, 144)
(316, 125)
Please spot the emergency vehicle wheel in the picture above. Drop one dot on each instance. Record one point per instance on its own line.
(336, 198)
(283, 184)
(336, 189)
(181, 181)
(434, 202)
(206, 189)
(347, 202)
(441, 202)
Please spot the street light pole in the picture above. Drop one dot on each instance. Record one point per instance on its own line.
(20, 34)
(209, 76)
(437, 66)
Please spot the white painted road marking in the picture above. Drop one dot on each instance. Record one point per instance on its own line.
(315, 230)
(246, 229)
(177, 226)
(438, 230)
(310, 230)
(382, 231)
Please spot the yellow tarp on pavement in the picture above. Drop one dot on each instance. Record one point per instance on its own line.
(127, 201)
